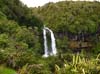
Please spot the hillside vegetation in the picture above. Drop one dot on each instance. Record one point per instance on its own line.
(70, 16)
(72, 20)
(21, 39)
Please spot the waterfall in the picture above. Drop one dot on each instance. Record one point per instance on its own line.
(45, 44)
(53, 43)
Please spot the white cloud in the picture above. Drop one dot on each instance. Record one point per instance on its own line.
(35, 3)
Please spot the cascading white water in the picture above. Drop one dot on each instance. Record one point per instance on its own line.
(45, 44)
(53, 43)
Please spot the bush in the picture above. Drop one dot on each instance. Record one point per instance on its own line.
(79, 65)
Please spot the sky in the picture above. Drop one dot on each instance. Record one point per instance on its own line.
(36, 3)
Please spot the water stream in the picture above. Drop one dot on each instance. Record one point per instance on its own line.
(53, 43)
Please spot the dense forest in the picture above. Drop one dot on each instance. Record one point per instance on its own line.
(71, 21)
(76, 26)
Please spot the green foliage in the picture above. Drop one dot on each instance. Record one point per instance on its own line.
(15, 10)
(2, 16)
(96, 48)
(62, 43)
(79, 65)
(21, 37)
(3, 40)
(8, 27)
(70, 16)
(4, 70)
(69, 19)
(18, 44)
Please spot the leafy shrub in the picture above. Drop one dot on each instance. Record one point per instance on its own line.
(79, 65)
(3, 40)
